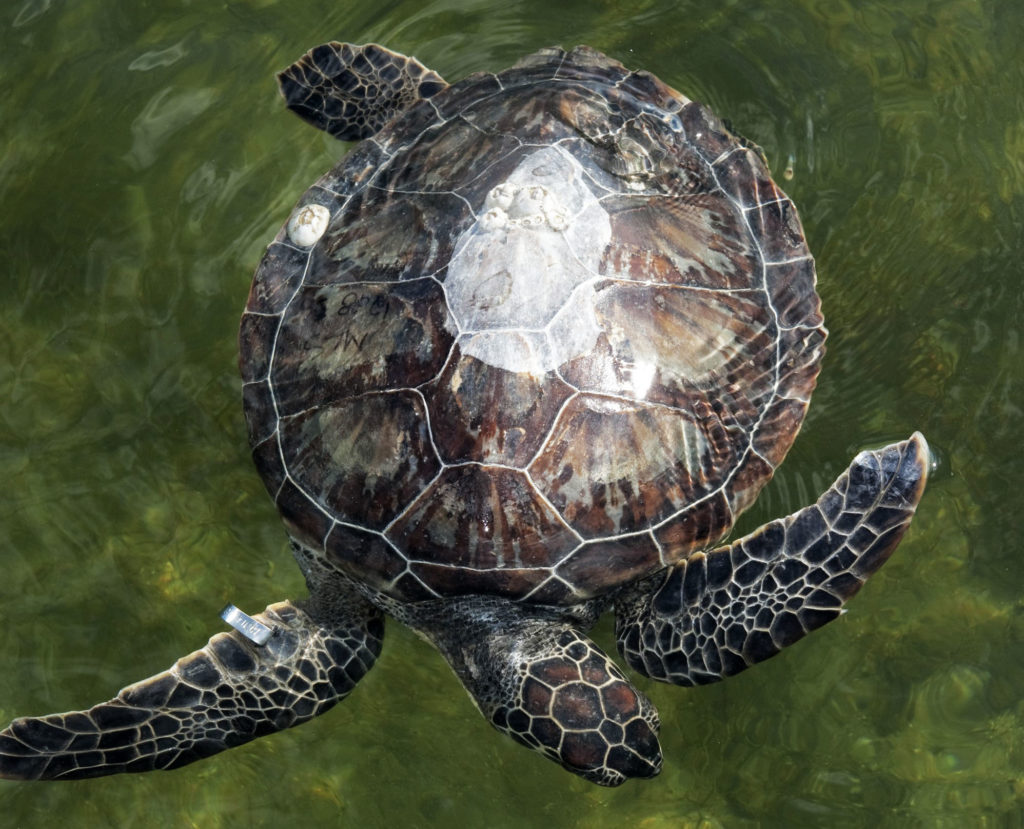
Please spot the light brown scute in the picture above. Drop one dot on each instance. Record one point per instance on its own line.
(613, 467)
(364, 458)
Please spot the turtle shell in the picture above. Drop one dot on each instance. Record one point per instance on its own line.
(560, 330)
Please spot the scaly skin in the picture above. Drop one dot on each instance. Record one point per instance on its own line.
(226, 694)
(716, 614)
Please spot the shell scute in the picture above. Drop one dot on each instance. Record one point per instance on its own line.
(260, 415)
(777, 227)
(602, 565)
(705, 132)
(536, 114)
(276, 279)
(696, 527)
(743, 177)
(695, 240)
(780, 417)
(459, 581)
(483, 518)
(339, 341)
(747, 480)
(496, 416)
(306, 520)
(384, 236)
(368, 555)
(459, 99)
(674, 345)
(267, 456)
(792, 295)
(363, 457)
(450, 160)
(355, 170)
(614, 466)
(582, 63)
(256, 340)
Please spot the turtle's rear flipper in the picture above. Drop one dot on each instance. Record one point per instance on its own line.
(716, 614)
(221, 696)
(352, 91)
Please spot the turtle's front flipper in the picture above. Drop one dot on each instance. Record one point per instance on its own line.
(715, 615)
(221, 696)
(352, 91)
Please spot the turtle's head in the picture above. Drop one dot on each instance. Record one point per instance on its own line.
(586, 715)
(549, 687)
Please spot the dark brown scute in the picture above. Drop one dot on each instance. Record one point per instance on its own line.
(747, 481)
(482, 518)
(260, 416)
(792, 294)
(696, 528)
(276, 279)
(344, 340)
(461, 581)
(493, 415)
(306, 521)
(602, 565)
(453, 152)
(381, 236)
(368, 556)
(255, 339)
(267, 457)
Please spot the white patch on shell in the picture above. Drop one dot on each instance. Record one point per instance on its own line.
(308, 224)
(520, 283)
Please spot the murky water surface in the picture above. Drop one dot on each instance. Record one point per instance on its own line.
(146, 161)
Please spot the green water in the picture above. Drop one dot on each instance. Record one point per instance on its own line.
(145, 161)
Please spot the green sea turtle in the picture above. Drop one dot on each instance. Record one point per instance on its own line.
(520, 358)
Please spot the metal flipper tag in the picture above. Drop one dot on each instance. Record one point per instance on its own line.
(251, 629)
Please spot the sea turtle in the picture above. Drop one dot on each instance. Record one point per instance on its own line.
(521, 357)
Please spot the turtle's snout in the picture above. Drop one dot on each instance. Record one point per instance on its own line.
(630, 729)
